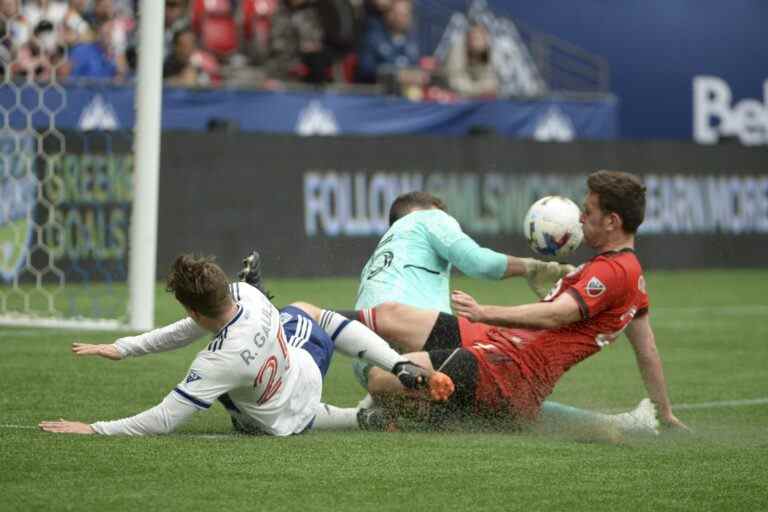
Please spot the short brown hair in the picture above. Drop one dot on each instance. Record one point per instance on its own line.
(621, 193)
(404, 203)
(199, 284)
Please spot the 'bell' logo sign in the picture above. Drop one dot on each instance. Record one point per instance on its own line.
(715, 117)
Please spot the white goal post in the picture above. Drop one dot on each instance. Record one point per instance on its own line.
(141, 272)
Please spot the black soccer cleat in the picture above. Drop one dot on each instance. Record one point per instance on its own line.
(411, 376)
(438, 385)
(251, 273)
(375, 419)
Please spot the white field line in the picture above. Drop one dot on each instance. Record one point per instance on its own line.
(678, 407)
(720, 403)
(741, 309)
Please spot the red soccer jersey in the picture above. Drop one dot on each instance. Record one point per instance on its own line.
(521, 366)
(610, 290)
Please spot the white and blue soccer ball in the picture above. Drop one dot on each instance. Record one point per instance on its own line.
(552, 226)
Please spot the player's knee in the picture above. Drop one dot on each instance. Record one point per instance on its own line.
(386, 316)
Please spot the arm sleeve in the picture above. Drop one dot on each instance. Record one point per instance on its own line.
(210, 376)
(176, 335)
(452, 244)
(163, 418)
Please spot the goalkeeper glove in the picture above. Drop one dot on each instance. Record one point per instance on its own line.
(542, 275)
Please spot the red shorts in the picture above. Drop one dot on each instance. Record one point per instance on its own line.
(506, 379)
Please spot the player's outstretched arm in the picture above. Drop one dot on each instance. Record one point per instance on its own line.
(643, 342)
(176, 335)
(164, 418)
(107, 351)
(541, 315)
(63, 426)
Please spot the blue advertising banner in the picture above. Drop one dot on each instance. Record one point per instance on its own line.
(89, 107)
(656, 50)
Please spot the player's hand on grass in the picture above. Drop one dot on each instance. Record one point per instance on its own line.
(66, 427)
(465, 305)
(107, 351)
(671, 422)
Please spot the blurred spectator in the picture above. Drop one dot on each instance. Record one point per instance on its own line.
(187, 65)
(74, 27)
(256, 28)
(296, 49)
(390, 53)
(104, 17)
(42, 57)
(96, 59)
(16, 28)
(53, 11)
(375, 12)
(66, 18)
(176, 18)
(468, 69)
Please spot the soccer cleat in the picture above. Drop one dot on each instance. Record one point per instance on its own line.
(639, 421)
(375, 419)
(412, 376)
(251, 273)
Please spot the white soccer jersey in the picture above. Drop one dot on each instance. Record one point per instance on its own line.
(263, 382)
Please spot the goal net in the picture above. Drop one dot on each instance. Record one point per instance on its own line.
(67, 181)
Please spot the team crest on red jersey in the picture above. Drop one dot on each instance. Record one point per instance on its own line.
(641, 284)
(595, 287)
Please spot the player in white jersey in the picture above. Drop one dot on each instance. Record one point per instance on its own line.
(269, 382)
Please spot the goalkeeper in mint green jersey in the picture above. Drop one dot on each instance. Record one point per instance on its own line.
(412, 265)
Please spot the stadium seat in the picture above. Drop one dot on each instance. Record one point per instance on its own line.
(349, 67)
(214, 22)
(257, 20)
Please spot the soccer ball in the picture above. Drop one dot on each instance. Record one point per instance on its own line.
(552, 226)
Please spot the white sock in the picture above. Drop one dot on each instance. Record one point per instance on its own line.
(329, 417)
(366, 402)
(355, 340)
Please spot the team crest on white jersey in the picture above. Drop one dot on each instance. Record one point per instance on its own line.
(595, 287)
(193, 376)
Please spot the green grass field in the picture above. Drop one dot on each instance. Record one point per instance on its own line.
(712, 331)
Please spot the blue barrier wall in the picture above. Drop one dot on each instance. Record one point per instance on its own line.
(655, 48)
(111, 107)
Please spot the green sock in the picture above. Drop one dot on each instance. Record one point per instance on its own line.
(557, 417)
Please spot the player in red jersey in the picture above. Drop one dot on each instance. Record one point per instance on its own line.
(507, 359)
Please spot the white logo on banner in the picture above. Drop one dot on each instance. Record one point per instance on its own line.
(747, 119)
(554, 126)
(98, 115)
(515, 68)
(315, 119)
